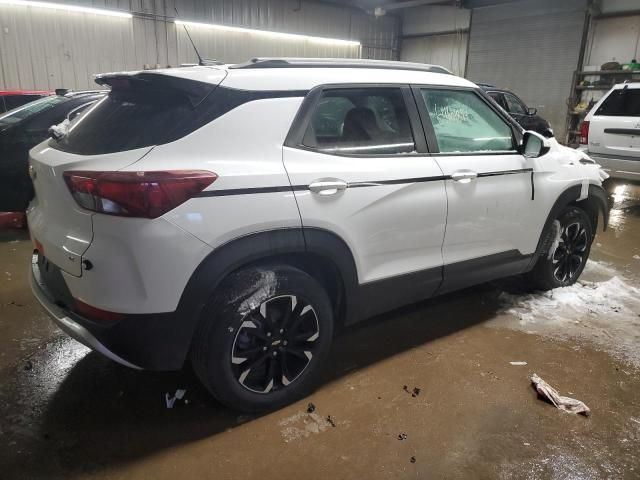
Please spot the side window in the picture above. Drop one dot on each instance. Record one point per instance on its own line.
(360, 120)
(514, 105)
(463, 122)
(623, 102)
(497, 96)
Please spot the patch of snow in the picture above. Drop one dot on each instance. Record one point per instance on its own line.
(557, 230)
(263, 288)
(605, 312)
(563, 304)
(301, 425)
(61, 129)
(636, 257)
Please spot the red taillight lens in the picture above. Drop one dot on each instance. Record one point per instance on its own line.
(136, 194)
(584, 133)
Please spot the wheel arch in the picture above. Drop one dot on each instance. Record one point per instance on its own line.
(595, 204)
(320, 253)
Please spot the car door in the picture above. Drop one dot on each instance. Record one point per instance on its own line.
(489, 185)
(357, 159)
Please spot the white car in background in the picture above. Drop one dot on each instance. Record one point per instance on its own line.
(610, 133)
(239, 214)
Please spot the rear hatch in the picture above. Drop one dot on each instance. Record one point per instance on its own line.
(60, 228)
(142, 110)
(615, 125)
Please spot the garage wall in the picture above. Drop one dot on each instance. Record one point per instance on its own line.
(436, 34)
(531, 47)
(449, 50)
(613, 39)
(46, 49)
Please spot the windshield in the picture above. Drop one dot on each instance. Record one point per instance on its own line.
(25, 111)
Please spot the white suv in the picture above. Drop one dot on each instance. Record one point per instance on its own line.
(238, 214)
(610, 133)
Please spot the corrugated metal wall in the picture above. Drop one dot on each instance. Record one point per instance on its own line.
(450, 51)
(531, 47)
(436, 34)
(46, 49)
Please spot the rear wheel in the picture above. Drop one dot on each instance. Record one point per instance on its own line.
(569, 240)
(263, 337)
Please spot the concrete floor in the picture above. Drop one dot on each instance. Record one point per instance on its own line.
(69, 413)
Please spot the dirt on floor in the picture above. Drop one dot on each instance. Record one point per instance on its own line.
(428, 391)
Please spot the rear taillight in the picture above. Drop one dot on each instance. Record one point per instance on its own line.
(584, 133)
(136, 194)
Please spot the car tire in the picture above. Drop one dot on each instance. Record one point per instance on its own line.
(567, 245)
(263, 337)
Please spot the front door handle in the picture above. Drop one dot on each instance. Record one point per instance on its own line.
(464, 176)
(326, 187)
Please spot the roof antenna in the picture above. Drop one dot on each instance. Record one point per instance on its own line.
(201, 62)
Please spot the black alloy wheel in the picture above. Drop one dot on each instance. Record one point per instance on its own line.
(275, 343)
(263, 337)
(570, 252)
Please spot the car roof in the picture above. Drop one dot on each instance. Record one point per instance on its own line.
(298, 62)
(491, 88)
(6, 93)
(304, 74)
(618, 86)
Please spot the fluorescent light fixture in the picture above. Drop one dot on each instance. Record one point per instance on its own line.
(284, 36)
(68, 8)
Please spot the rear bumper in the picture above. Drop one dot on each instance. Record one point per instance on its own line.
(68, 321)
(142, 341)
(627, 168)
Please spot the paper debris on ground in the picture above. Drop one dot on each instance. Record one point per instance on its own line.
(518, 364)
(566, 404)
(171, 400)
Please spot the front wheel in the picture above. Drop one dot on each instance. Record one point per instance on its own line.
(569, 240)
(263, 337)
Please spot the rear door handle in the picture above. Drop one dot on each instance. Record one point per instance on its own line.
(464, 176)
(327, 187)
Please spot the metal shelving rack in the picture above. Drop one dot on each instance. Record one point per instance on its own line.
(575, 118)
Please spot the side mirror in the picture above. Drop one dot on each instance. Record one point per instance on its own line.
(532, 111)
(534, 145)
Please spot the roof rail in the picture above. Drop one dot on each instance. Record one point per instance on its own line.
(271, 62)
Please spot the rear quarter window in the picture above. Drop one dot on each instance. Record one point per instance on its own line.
(624, 102)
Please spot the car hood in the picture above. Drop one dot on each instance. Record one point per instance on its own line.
(571, 156)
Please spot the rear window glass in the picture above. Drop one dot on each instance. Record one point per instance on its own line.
(140, 111)
(130, 119)
(150, 109)
(624, 102)
(25, 111)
